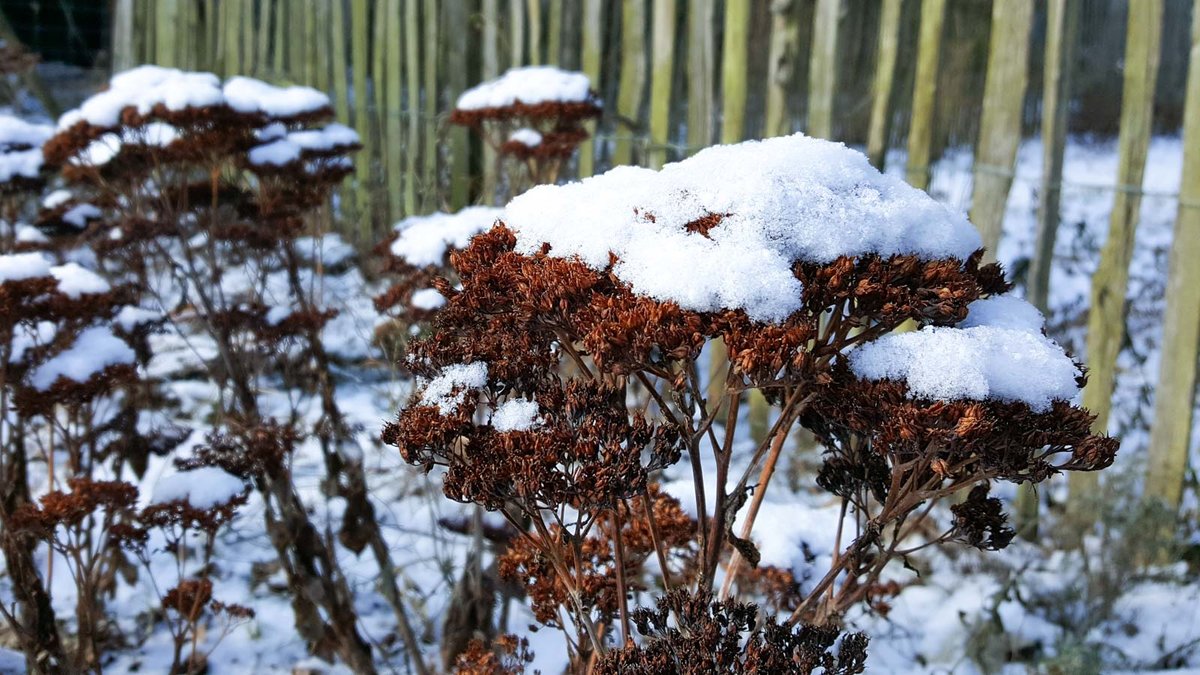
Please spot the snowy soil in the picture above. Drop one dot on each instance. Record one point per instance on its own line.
(965, 613)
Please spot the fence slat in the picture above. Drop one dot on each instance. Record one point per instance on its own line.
(1000, 123)
(781, 66)
(662, 77)
(590, 62)
(700, 73)
(1170, 434)
(881, 88)
(822, 73)
(633, 78)
(920, 133)
(412, 31)
(1106, 320)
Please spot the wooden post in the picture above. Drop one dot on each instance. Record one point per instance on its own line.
(920, 133)
(341, 85)
(516, 21)
(734, 70)
(1170, 435)
(633, 78)
(262, 52)
(250, 33)
(166, 18)
(491, 69)
(535, 32)
(1000, 123)
(1062, 30)
(554, 30)
(701, 44)
(822, 69)
(279, 55)
(1106, 320)
(432, 94)
(359, 56)
(881, 88)
(123, 33)
(456, 80)
(781, 66)
(662, 75)
(592, 42)
(394, 146)
(412, 72)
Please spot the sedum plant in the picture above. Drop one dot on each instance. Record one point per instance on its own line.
(532, 117)
(563, 380)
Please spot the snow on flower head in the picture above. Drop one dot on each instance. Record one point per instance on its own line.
(774, 202)
(202, 488)
(448, 390)
(21, 148)
(425, 240)
(529, 85)
(997, 353)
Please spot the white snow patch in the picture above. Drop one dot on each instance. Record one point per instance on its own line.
(21, 266)
(202, 488)
(428, 299)
(527, 137)
(448, 390)
(529, 85)
(248, 95)
(516, 414)
(95, 349)
(425, 240)
(80, 214)
(75, 281)
(788, 199)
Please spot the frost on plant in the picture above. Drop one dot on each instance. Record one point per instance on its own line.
(594, 302)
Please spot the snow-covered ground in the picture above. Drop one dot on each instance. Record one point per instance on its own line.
(966, 612)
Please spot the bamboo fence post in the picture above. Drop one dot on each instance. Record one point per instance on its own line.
(1106, 319)
(920, 133)
(781, 66)
(822, 69)
(359, 29)
(381, 195)
(1062, 30)
(186, 27)
(316, 34)
(516, 20)
(554, 25)
(592, 43)
(491, 69)
(413, 80)
(535, 32)
(633, 78)
(662, 71)
(341, 86)
(232, 32)
(123, 33)
(298, 50)
(432, 94)
(250, 33)
(262, 52)
(456, 81)
(734, 70)
(278, 56)
(701, 45)
(1170, 433)
(881, 87)
(166, 17)
(393, 91)
(1000, 123)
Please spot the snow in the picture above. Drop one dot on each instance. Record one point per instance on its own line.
(788, 199)
(75, 281)
(80, 214)
(276, 315)
(425, 240)
(998, 352)
(428, 299)
(202, 488)
(130, 317)
(142, 89)
(28, 234)
(529, 85)
(448, 390)
(20, 163)
(16, 131)
(248, 95)
(516, 414)
(289, 148)
(30, 335)
(21, 266)
(57, 198)
(95, 349)
(527, 137)
(330, 249)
